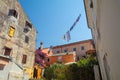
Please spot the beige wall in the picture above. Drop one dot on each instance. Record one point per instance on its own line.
(105, 27)
(17, 42)
(88, 45)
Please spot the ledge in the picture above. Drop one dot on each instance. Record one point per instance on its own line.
(60, 54)
(10, 59)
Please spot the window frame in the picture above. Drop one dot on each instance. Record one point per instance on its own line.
(57, 51)
(82, 48)
(65, 50)
(91, 3)
(6, 53)
(13, 12)
(24, 59)
(28, 25)
(26, 30)
(74, 49)
(26, 39)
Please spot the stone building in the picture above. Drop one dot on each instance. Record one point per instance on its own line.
(103, 18)
(17, 41)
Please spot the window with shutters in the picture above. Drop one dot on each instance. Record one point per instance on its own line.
(26, 39)
(13, 12)
(11, 31)
(24, 59)
(7, 51)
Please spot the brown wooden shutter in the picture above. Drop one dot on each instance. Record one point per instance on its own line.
(24, 59)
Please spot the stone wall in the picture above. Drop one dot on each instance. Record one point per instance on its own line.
(17, 43)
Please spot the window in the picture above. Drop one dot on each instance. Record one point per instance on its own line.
(26, 30)
(2, 66)
(11, 31)
(58, 51)
(91, 4)
(26, 39)
(24, 59)
(65, 50)
(28, 25)
(60, 58)
(48, 60)
(7, 51)
(82, 48)
(13, 12)
(74, 49)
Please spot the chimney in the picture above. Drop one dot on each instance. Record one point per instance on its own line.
(41, 45)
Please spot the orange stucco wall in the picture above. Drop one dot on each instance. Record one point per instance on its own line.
(64, 59)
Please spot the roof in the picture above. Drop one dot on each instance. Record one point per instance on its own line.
(75, 43)
(47, 51)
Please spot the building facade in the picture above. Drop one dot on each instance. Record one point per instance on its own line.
(80, 48)
(63, 58)
(17, 41)
(103, 18)
(68, 53)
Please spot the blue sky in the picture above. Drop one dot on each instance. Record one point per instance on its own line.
(53, 18)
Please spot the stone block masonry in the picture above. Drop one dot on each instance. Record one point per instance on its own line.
(17, 41)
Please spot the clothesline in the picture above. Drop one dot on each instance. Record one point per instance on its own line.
(67, 35)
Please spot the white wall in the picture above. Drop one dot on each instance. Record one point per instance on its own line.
(104, 20)
(110, 31)
(109, 42)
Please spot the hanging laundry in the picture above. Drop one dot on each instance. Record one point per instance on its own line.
(68, 35)
(64, 37)
(75, 22)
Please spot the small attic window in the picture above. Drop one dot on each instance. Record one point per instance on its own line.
(28, 25)
(13, 12)
(91, 3)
